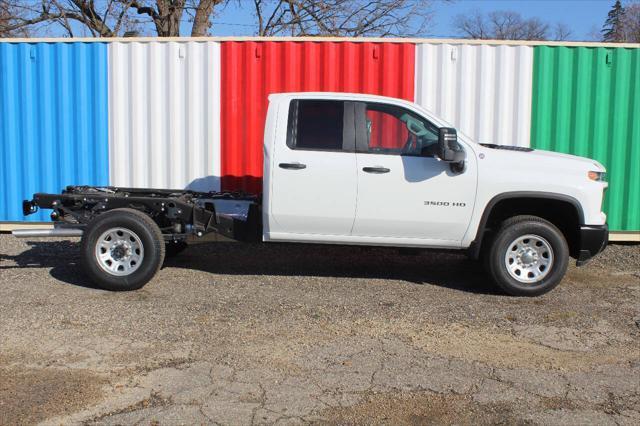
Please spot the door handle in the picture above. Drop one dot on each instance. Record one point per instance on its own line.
(292, 166)
(376, 170)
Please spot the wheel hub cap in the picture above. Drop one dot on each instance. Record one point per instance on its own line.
(119, 251)
(529, 258)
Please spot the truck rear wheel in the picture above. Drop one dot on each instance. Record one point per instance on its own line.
(528, 256)
(122, 250)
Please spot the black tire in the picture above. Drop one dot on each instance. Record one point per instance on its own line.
(148, 236)
(173, 248)
(502, 252)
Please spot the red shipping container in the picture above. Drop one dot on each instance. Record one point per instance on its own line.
(251, 70)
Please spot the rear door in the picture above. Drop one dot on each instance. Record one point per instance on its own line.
(401, 192)
(314, 177)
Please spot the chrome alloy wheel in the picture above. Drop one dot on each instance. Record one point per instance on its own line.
(119, 251)
(529, 259)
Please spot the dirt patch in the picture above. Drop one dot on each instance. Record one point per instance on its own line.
(28, 396)
(420, 409)
(498, 348)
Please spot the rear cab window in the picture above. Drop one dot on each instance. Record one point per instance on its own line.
(319, 125)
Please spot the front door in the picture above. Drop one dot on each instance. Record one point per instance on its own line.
(403, 193)
(314, 175)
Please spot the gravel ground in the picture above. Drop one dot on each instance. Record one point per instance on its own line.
(238, 334)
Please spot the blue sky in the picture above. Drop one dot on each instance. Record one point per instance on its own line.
(582, 16)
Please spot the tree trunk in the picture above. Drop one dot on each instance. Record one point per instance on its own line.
(201, 21)
(168, 22)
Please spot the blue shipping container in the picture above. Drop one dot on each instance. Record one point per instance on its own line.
(53, 121)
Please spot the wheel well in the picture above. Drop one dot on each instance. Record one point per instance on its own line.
(562, 213)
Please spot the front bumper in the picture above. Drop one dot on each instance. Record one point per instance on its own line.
(593, 239)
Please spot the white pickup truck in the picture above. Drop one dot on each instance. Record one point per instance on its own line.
(361, 170)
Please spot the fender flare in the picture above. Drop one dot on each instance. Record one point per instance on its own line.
(476, 244)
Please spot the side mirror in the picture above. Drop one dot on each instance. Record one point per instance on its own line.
(449, 149)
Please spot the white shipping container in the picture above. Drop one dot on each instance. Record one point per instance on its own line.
(482, 90)
(164, 114)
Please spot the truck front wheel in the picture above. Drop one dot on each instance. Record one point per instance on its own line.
(122, 250)
(528, 256)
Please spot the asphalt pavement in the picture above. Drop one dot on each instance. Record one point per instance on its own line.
(290, 334)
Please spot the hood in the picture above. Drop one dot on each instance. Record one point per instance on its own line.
(522, 153)
(587, 162)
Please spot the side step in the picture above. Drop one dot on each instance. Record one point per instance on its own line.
(55, 232)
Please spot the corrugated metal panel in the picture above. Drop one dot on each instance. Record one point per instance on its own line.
(330, 39)
(252, 70)
(53, 120)
(164, 116)
(586, 101)
(484, 91)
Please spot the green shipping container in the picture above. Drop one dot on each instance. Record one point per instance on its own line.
(586, 101)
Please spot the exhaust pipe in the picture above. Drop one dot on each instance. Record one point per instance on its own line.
(56, 232)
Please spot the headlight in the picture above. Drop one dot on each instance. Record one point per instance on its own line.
(597, 176)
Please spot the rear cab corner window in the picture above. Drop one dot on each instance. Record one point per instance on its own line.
(316, 125)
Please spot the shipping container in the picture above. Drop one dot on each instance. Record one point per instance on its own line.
(586, 101)
(189, 112)
(482, 90)
(164, 114)
(251, 70)
(53, 120)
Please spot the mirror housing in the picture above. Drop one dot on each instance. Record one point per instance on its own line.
(449, 149)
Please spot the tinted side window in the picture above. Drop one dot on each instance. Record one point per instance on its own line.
(394, 130)
(316, 125)
(385, 131)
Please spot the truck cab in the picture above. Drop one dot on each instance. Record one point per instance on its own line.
(360, 170)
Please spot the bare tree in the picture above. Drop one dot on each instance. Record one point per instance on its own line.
(473, 26)
(631, 23)
(168, 15)
(354, 18)
(561, 32)
(510, 26)
(8, 17)
(506, 25)
(202, 17)
(109, 18)
(36, 13)
(169, 18)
